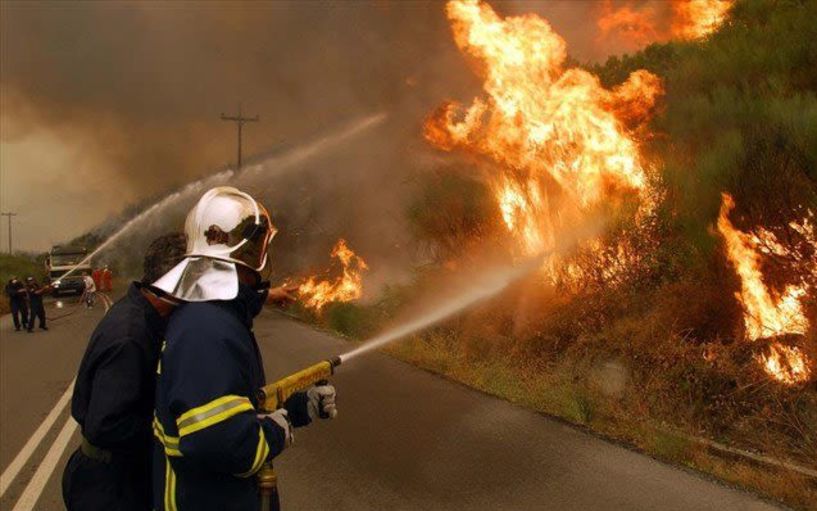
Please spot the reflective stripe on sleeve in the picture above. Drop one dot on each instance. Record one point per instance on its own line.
(170, 443)
(211, 413)
(261, 453)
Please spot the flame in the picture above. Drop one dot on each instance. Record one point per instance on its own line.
(786, 364)
(316, 294)
(629, 25)
(633, 26)
(562, 141)
(695, 19)
(766, 315)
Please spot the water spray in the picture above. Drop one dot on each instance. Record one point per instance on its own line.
(273, 396)
(481, 289)
(290, 158)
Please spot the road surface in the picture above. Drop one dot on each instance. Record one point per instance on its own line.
(404, 439)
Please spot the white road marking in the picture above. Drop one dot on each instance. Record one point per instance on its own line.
(37, 484)
(35, 487)
(28, 449)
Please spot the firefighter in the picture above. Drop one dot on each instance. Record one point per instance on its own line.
(89, 294)
(107, 279)
(96, 274)
(211, 440)
(16, 292)
(35, 293)
(114, 392)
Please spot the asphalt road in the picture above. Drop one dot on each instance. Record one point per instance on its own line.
(404, 438)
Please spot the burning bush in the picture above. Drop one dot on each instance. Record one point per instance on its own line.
(316, 293)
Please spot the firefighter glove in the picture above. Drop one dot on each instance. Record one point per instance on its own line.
(281, 419)
(321, 402)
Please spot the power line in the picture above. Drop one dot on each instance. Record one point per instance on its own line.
(9, 215)
(239, 120)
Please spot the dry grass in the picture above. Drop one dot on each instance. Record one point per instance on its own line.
(582, 394)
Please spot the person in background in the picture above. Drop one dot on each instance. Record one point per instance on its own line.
(114, 394)
(89, 295)
(16, 292)
(35, 292)
(106, 278)
(96, 274)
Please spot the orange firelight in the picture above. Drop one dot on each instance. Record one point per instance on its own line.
(695, 19)
(316, 293)
(630, 25)
(765, 314)
(560, 142)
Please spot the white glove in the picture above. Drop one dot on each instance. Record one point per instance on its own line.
(281, 418)
(321, 402)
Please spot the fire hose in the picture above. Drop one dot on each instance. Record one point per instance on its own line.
(272, 397)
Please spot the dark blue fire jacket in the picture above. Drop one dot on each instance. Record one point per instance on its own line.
(211, 442)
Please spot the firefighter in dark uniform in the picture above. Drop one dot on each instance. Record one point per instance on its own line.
(114, 393)
(16, 292)
(36, 310)
(211, 441)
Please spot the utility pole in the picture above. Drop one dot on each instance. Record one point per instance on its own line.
(239, 120)
(9, 214)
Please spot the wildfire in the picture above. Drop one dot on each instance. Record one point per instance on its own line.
(787, 364)
(695, 19)
(317, 293)
(633, 25)
(630, 25)
(562, 141)
(766, 315)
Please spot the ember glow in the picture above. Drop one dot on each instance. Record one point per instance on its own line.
(559, 142)
(317, 293)
(765, 314)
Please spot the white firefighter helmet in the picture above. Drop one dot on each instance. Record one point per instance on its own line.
(225, 228)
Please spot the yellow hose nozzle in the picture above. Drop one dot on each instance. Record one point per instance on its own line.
(272, 396)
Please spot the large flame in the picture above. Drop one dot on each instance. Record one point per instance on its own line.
(766, 315)
(562, 141)
(317, 293)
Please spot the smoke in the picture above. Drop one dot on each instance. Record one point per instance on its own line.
(104, 105)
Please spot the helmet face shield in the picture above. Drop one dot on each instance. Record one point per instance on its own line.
(227, 227)
(230, 225)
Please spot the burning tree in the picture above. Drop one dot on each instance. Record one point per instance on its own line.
(561, 146)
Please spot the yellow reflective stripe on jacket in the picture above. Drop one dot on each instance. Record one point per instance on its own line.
(211, 413)
(170, 487)
(170, 443)
(261, 453)
(159, 364)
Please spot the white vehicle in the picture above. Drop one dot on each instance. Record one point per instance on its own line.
(61, 260)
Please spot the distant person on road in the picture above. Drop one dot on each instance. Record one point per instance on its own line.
(35, 292)
(96, 274)
(114, 394)
(106, 277)
(16, 291)
(89, 295)
(212, 439)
